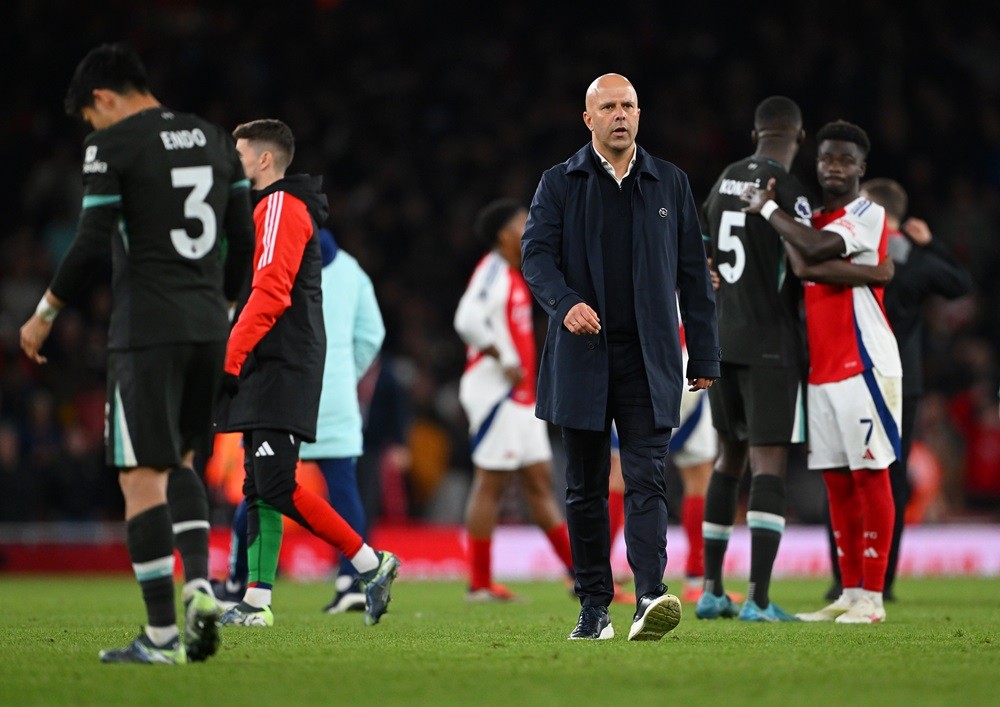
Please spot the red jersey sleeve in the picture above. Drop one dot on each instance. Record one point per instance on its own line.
(283, 227)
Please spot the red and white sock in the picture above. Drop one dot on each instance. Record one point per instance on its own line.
(878, 511)
(845, 517)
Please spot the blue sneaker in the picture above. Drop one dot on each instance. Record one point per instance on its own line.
(710, 606)
(772, 614)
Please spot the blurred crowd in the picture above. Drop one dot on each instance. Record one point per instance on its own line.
(417, 114)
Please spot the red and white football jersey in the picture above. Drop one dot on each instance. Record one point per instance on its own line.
(496, 310)
(848, 330)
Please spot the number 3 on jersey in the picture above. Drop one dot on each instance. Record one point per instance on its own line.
(195, 206)
(730, 243)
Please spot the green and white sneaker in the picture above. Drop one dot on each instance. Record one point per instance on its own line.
(245, 615)
(378, 587)
(143, 650)
(830, 612)
(201, 635)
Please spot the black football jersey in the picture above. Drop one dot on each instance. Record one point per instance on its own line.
(758, 299)
(168, 190)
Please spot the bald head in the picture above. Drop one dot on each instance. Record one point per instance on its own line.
(602, 85)
(612, 115)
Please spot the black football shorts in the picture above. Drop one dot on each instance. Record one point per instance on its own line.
(762, 405)
(159, 403)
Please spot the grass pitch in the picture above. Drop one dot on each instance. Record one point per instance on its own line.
(941, 645)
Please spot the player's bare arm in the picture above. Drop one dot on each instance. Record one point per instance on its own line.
(841, 272)
(815, 246)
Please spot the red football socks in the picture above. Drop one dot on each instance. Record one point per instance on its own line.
(480, 572)
(692, 515)
(845, 517)
(878, 511)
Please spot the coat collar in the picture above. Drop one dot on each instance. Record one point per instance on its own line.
(583, 161)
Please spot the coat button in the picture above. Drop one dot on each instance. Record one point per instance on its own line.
(552, 301)
(590, 345)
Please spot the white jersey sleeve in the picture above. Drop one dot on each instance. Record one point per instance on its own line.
(481, 317)
(861, 228)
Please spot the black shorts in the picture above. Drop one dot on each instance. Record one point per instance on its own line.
(762, 405)
(159, 403)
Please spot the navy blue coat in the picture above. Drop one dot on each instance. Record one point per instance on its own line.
(563, 265)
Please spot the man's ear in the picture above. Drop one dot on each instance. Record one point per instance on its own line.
(586, 121)
(863, 168)
(104, 98)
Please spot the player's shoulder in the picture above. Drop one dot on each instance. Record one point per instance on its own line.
(491, 269)
(865, 211)
(793, 196)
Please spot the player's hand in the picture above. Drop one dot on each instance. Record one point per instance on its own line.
(700, 383)
(714, 275)
(885, 270)
(918, 230)
(230, 384)
(515, 374)
(33, 334)
(757, 197)
(581, 319)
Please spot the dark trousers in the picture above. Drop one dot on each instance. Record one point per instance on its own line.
(588, 455)
(900, 483)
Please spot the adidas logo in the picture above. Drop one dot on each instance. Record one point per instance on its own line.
(868, 454)
(870, 552)
(264, 450)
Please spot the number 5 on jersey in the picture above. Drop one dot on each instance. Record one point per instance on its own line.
(730, 243)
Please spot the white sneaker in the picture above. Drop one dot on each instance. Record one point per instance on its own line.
(831, 611)
(864, 611)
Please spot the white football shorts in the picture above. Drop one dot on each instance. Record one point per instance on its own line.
(510, 438)
(855, 423)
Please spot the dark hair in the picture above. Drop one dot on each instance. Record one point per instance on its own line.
(275, 133)
(492, 218)
(778, 112)
(889, 194)
(112, 66)
(847, 132)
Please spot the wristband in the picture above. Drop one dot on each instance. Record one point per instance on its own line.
(769, 207)
(45, 311)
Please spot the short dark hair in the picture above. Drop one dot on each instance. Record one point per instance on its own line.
(112, 66)
(889, 194)
(777, 112)
(846, 132)
(274, 132)
(492, 218)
